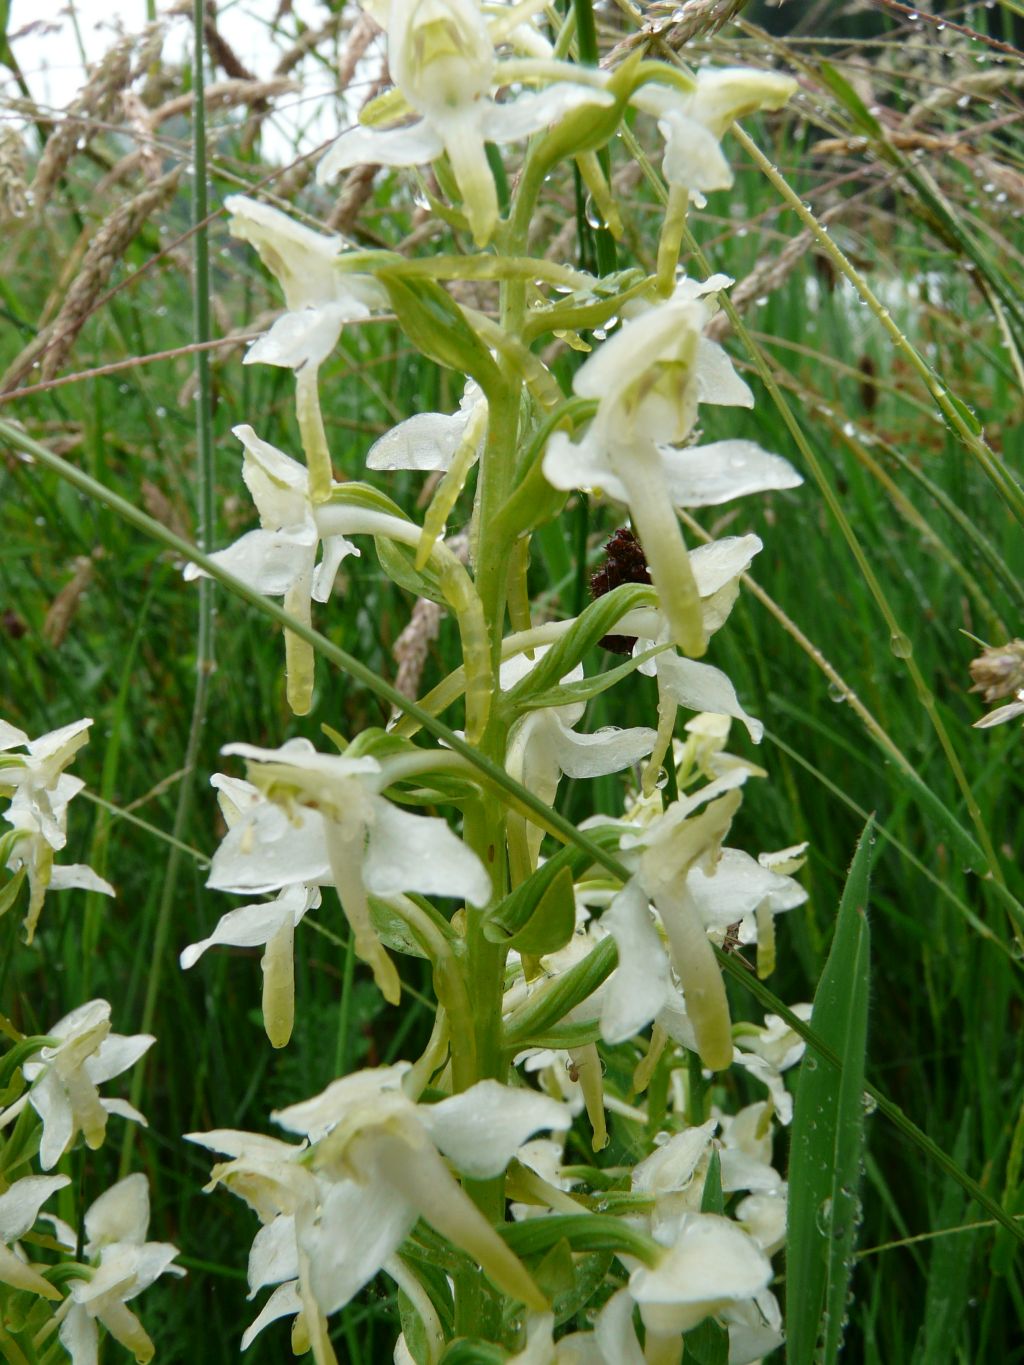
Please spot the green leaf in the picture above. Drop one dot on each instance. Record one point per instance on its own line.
(827, 1137)
(596, 620)
(712, 1199)
(551, 923)
(515, 912)
(850, 100)
(437, 327)
(948, 1268)
(553, 1001)
(583, 1232)
(466, 1352)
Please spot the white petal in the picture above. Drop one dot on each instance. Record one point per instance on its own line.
(274, 1256)
(700, 687)
(116, 1054)
(420, 853)
(529, 113)
(716, 563)
(79, 1336)
(717, 380)
(124, 1110)
(606, 751)
(50, 1102)
(711, 1263)
(253, 925)
(481, 1128)
(67, 875)
(341, 1098)
(737, 886)
(120, 1214)
(269, 562)
(640, 985)
(412, 146)
(266, 850)
(20, 1205)
(306, 337)
(335, 549)
(235, 1142)
(672, 1167)
(425, 442)
(284, 1301)
(356, 1228)
(615, 1332)
(11, 737)
(706, 476)
(568, 464)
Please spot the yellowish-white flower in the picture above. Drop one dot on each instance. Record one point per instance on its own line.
(319, 297)
(709, 1264)
(694, 124)
(544, 744)
(63, 1077)
(270, 924)
(339, 828)
(280, 559)
(663, 853)
(337, 1210)
(19, 1209)
(39, 790)
(648, 380)
(124, 1265)
(442, 58)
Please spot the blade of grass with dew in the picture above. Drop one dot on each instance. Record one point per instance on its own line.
(828, 1135)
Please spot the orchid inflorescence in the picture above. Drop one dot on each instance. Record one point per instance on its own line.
(551, 958)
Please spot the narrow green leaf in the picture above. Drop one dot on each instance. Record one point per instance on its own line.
(850, 100)
(827, 1138)
(948, 1269)
(596, 620)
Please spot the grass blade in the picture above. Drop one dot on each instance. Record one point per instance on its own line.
(828, 1130)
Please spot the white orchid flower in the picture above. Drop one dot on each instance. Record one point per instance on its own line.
(64, 1076)
(648, 380)
(709, 1264)
(39, 791)
(319, 297)
(280, 559)
(19, 1209)
(270, 1175)
(543, 745)
(663, 852)
(442, 58)
(694, 124)
(769, 1051)
(752, 894)
(271, 924)
(373, 1168)
(125, 1264)
(746, 1155)
(339, 828)
(612, 1342)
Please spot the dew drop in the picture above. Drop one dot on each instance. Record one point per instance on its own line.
(901, 645)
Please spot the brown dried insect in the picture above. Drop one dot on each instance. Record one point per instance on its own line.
(625, 562)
